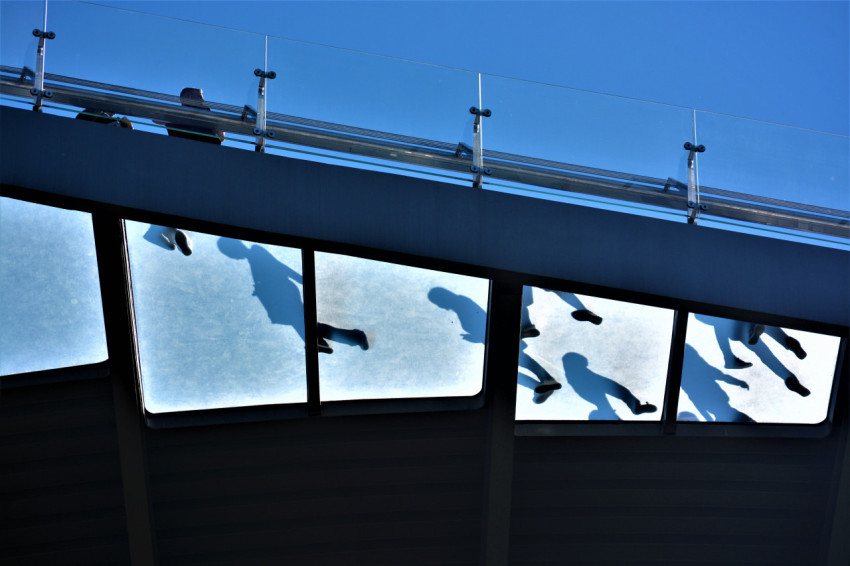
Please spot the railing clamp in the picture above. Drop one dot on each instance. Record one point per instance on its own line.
(477, 167)
(260, 130)
(38, 90)
(694, 206)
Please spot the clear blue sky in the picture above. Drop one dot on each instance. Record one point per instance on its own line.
(786, 62)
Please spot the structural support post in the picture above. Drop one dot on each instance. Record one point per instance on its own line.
(501, 375)
(117, 297)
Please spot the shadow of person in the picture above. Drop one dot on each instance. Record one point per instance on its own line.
(700, 381)
(748, 334)
(275, 288)
(544, 386)
(472, 318)
(596, 388)
(581, 312)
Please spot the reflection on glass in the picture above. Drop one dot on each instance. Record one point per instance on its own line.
(372, 92)
(51, 315)
(771, 160)
(153, 53)
(398, 331)
(17, 43)
(744, 372)
(586, 358)
(220, 324)
(585, 128)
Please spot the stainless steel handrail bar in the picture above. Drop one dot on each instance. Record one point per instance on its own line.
(508, 167)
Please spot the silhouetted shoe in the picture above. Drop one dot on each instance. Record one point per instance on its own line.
(737, 363)
(792, 383)
(585, 315)
(645, 408)
(755, 333)
(794, 345)
(362, 340)
(547, 386)
(324, 347)
(183, 242)
(167, 240)
(529, 331)
(541, 397)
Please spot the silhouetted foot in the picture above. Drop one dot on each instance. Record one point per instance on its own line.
(756, 331)
(585, 315)
(361, 339)
(541, 397)
(167, 240)
(547, 386)
(645, 408)
(792, 383)
(737, 363)
(794, 345)
(529, 331)
(183, 242)
(324, 347)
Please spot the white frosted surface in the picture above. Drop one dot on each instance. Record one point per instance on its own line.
(714, 391)
(425, 329)
(630, 348)
(51, 315)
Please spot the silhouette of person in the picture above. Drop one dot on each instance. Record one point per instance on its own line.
(104, 117)
(581, 312)
(700, 382)
(193, 98)
(275, 288)
(472, 318)
(596, 388)
(748, 334)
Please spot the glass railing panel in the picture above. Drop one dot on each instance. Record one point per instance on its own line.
(221, 327)
(371, 92)
(586, 358)
(51, 315)
(18, 45)
(397, 331)
(775, 161)
(745, 372)
(152, 53)
(585, 128)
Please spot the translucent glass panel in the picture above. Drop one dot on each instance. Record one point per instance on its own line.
(586, 358)
(51, 315)
(742, 372)
(368, 91)
(586, 128)
(222, 327)
(772, 160)
(398, 331)
(17, 43)
(154, 53)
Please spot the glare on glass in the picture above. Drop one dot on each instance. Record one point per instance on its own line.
(745, 372)
(586, 358)
(51, 315)
(398, 331)
(221, 327)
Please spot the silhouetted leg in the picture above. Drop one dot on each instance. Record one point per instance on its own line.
(547, 382)
(527, 329)
(632, 402)
(789, 342)
(351, 337)
(756, 331)
(581, 312)
(773, 363)
(730, 360)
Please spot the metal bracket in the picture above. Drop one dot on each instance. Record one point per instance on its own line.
(260, 130)
(38, 90)
(694, 206)
(477, 167)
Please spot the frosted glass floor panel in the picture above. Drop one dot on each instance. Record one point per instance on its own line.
(425, 330)
(222, 327)
(51, 315)
(594, 359)
(727, 379)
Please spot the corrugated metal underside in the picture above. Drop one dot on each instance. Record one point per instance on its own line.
(60, 476)
(402, 489)
(669, 500)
